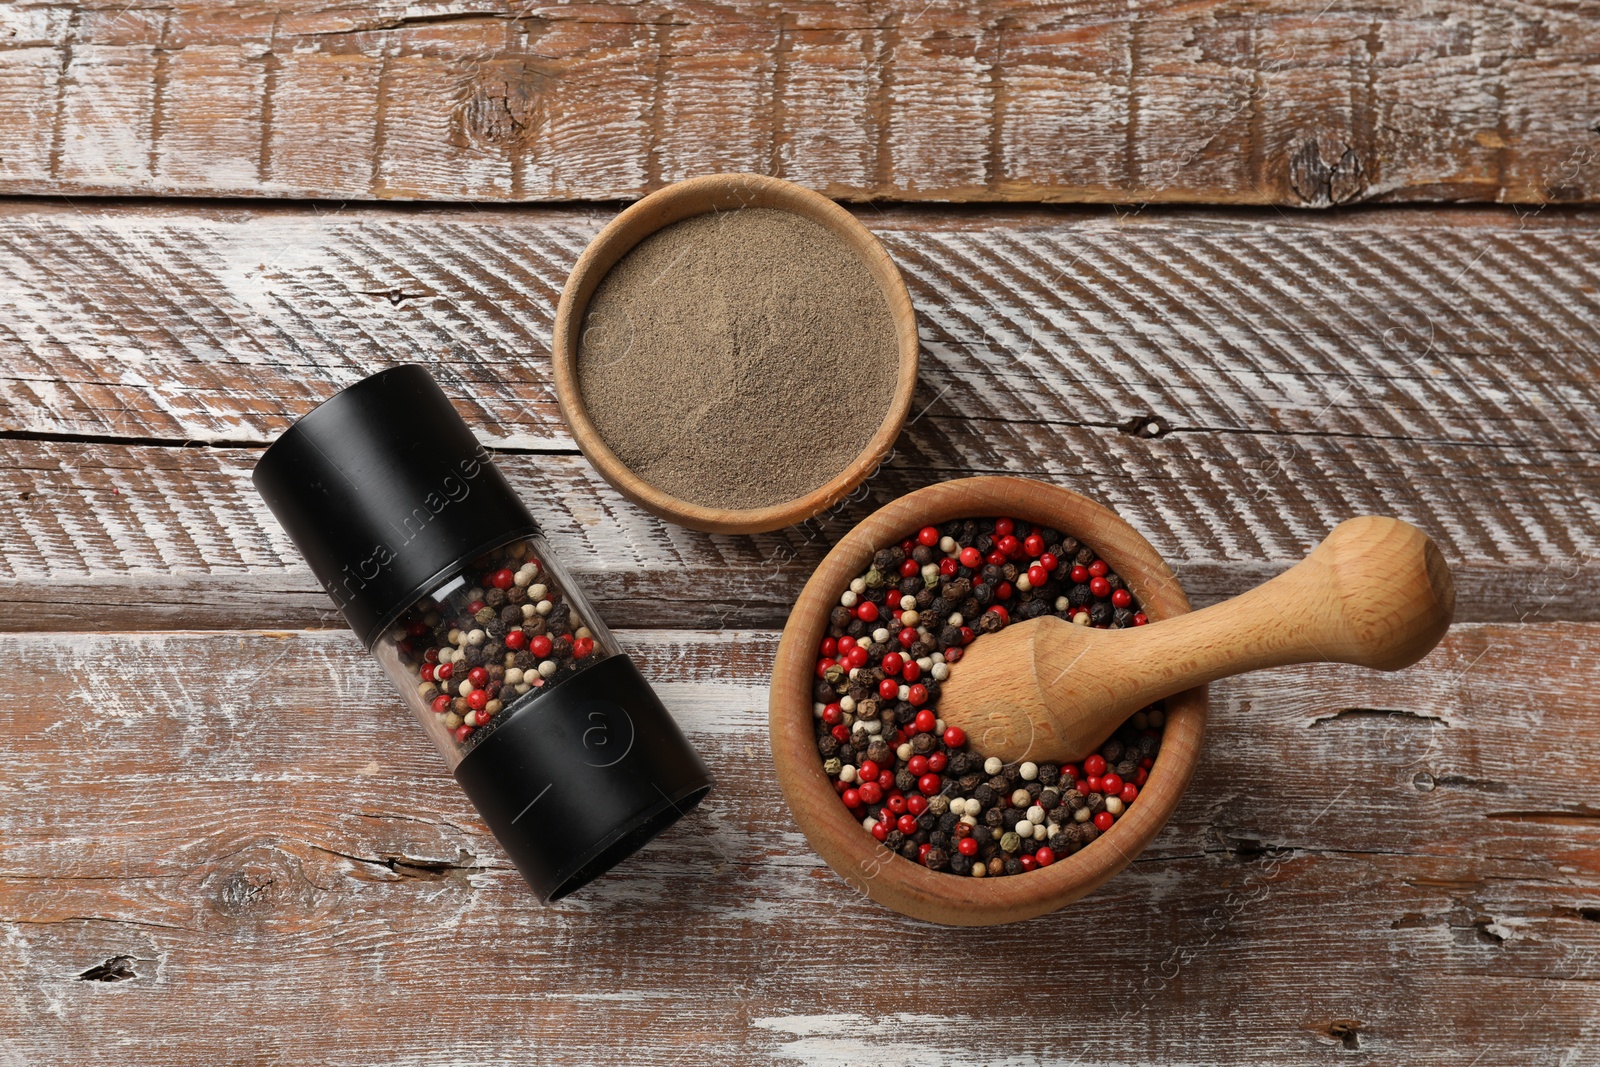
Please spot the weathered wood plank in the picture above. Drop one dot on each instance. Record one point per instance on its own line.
(257, 854)
(1238, 101)
(1296, 371)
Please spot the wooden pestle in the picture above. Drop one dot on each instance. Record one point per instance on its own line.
(1375, 593)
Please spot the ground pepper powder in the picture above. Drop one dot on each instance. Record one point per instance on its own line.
(738, 359)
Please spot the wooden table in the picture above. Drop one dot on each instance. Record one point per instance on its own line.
(223, 841)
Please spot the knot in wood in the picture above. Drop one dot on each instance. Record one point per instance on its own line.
(1320, 184)
(502, 107)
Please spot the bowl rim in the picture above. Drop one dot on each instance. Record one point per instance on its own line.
(700, 196)
(862, 862)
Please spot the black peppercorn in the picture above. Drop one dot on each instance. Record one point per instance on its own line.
(1050, 773)
(1049, 799)
(936, 859)
(985, 795)
(1100, 613)
(1079, 596)
(1096, 802)
(828, 745)
(922, 744)
(960, 864)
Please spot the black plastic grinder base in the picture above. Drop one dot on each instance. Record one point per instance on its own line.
(583, 776)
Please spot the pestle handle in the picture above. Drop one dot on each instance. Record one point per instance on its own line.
(1376, 593)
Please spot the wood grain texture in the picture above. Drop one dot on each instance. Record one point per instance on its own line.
(1232, 385)
(258, 857)
(1231, 101)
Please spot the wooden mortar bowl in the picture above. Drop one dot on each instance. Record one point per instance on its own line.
(699, 196)
(853, 854)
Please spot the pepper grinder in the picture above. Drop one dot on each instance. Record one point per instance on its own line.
(443, 574)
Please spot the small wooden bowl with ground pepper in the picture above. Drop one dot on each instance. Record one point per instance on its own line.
(782, 333)
(854, 855)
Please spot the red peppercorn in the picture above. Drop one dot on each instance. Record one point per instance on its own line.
(908, 637)
(417, 629)
(1147, 762)
(892, 598)
(841, 733)
(432, 655)
(937, 762)
(909, 569)
(952, 655)
(888, 689)
(540, 646)
(930, 784)
(911, 671)
(461, 733)
(867, 611)
(1033, 545)
(967, 637)
(917, 765)
(1139, 618)
(475, 607)
(441, 703)
(1002, 591)
(1121, 598)
(822, 667)
(1045, 856)
(896, 803)
(971, 557)
(1008, 545)
(444, 671)
(954, 736)
(907, 824)
(1129, 794)
(922, 852)
(851, 798)
(1098, 568)
(880, 831)
(886, 778)
(892, 662)
(1111, 784)
(996, 558)
(1027, 863)
(967, 846)
(1095, 765)
(1071, 771)
(916, 804)
(1003, 527)
(1048, 561)
(1082, 785)
(830, 647)
(918, 697)
(478, 677)
(926, 719)
(1079, 575)
(1005, 616)
(516, 640)
(871, 792)
(503, 578)
(868, 770)
(1037, 575)
(1103, 821)
(928, 535)
(909, 545)
(1096, 783)
(833, 715)
(948, 567)
(845, 644)
(1140, 777)
(1099, 587)
(477, 699)
(425, 672)
(857, 657)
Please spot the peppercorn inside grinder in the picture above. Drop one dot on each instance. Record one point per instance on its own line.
(443, 574)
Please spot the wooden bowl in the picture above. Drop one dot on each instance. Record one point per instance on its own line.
(853, 854)
(698, 196)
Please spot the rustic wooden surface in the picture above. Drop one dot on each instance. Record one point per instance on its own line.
(222, 841)
(1238, 101)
